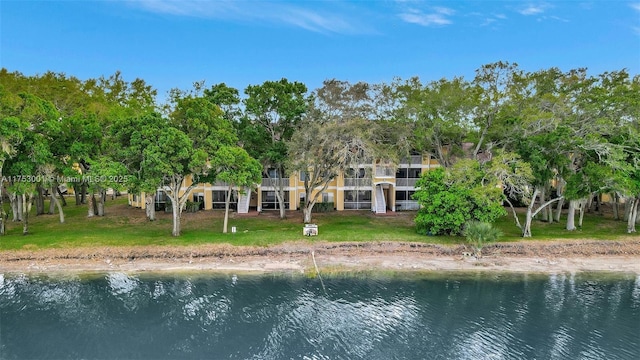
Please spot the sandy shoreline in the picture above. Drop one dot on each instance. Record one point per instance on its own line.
(532, 257)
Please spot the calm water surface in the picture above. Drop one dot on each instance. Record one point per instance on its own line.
(432, 316)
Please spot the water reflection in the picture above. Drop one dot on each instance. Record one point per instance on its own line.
(276, 317)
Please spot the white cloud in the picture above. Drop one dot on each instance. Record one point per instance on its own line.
(635, 6)
(436, 18)
(257, 11)
(532, 9)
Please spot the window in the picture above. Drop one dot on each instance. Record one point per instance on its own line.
(404, 200)
(327, 197)
(220, 196)
(414, 173)
(303, 175)
(357, 199)
(270, 200)
(407, 176)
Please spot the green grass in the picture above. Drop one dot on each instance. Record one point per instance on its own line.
(596, 227)
(126, 226)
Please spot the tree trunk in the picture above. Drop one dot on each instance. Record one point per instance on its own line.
(571, 215)
(280, 194)
(26, 208)
(583, 204)
(100, 204)
(633, 214)
(226, 211)
(17, 205)
(25, 218)
(40, 200)
(64, 202)
(559, 189)
(614, 206)
(526, 231)
(559, 210)
(549, 213)
(91, 206)
(83, 193)
(3, 215)
(150, 207)
(76, 193)
(515, 216)
(54, 200)
(543, 198)
(627, 208)
(307, 213)
(175, 207)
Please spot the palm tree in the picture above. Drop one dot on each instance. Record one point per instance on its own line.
(478, 233)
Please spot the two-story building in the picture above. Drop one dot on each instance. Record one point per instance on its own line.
(376, 187)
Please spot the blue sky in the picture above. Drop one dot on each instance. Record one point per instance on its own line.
(174, 43)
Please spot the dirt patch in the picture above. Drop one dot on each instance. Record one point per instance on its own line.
(531, 256)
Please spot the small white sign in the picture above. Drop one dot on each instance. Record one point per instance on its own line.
(310, 230)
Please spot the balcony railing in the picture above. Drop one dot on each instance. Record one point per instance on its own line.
(406, 182)
(275, 182)
(407, 205)
(357, 182)
(413, 160)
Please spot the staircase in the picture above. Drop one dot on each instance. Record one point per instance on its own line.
(243, 201)
(381, 204)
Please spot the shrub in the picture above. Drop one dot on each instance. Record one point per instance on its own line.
(447, 204)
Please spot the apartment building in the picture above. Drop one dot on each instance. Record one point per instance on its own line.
(376, 187)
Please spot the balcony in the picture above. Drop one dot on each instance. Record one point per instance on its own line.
(412, 160)
(357, 182)
(385, 172)
(406, 182)
(266, 182)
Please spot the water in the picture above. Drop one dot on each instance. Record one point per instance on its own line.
(437, 316)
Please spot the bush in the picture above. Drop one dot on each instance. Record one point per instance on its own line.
(447, 205)
(321, 207)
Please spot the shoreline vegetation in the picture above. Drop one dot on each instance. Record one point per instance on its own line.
(123, 240)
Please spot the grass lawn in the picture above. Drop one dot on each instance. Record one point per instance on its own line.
(126, 226)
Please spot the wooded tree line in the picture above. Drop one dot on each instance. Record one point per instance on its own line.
(544, 137)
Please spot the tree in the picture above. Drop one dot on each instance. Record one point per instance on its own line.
(494, 86)
(439, 113)
(12, 130)
(322, 150)
(172, 157)
(273, 111)
(342, 130)
(131, 135)
(195, 131)
(235, 167)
